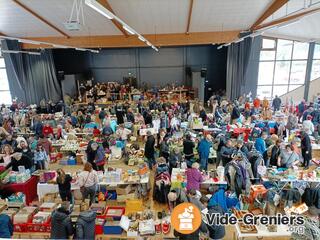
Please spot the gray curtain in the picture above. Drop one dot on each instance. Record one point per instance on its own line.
(31, 77)
(237, 63)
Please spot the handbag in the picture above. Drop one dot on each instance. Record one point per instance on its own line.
(83, 187)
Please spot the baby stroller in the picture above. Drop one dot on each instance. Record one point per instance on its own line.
(162, 183)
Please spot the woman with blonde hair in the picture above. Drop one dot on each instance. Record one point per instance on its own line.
(6, 155)
(88, 180)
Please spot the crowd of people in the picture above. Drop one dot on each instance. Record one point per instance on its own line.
(271, 136)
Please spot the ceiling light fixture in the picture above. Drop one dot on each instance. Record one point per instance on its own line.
(141, 38)
(129, 29)
(34, 53)
(154, 48)
(45, 43)
(219, 47)
(28, 41)
(24, 52)
(239, 40)
(105, 12)
(94, 51)
(59, 46)
(99, 8)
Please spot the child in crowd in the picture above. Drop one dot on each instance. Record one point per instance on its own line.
(40, 158)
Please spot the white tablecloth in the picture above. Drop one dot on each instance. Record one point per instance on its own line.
(45, 188)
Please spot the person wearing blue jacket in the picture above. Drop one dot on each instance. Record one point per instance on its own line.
(204, 150)
(6, 226)
(260, 144)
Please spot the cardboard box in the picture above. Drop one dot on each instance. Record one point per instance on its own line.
(21, 218)
(58, 200)
(48, 206)
(3, 207)
(123, 198)
(78, 202)
(49, 197)
(31, 210)
(123, 190)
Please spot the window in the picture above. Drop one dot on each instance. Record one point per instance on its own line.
(282, 66)
(298, 72)
(265, 73)
(284, 49)
(4, 84)
(315, 71)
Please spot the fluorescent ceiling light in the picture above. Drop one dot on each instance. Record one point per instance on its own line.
(94, 51)
(149, 44)
(239, 40)
(221, 46)
(141, 38)
(81, 49)
(28, 41)
(129, 29)
(9, 51)
(34, 53)
(154, 48)
(59, 46)
(99, 8)
(24, 52)
(227, 44)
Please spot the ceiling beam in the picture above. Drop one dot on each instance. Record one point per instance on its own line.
(159, 40)
(277, 4)
(285, 19)
(189, 16)
(40, 18)
(106, 4)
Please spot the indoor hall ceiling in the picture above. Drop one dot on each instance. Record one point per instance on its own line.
(162, 21)
(146, 16)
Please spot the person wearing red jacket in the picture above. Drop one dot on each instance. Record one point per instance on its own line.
(96, 132)
(47, 130)
(256, 103)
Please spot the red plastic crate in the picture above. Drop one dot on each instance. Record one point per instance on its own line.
(20, 227)
(39, 227)
(99, 229)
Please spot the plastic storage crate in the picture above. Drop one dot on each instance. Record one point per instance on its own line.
(115, 212)
(112, 227)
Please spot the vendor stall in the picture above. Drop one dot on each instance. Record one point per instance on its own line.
(29, 188)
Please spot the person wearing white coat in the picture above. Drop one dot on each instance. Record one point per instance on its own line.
(308, 126)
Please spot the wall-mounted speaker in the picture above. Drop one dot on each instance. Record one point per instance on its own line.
(203, 72)
(60, 76)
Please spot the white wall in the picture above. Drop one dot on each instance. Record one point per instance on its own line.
(297, 94)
